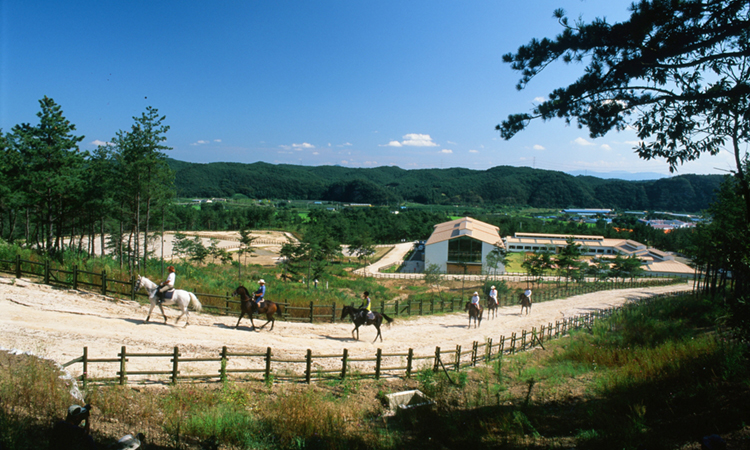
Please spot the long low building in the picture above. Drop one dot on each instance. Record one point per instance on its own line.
(654, 260)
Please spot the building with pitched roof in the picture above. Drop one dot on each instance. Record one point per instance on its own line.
(462, 246)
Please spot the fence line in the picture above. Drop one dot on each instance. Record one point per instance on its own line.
(265, 366)
(313, 312)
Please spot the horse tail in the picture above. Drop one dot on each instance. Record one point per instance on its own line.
(196, 302)
(386, 318)
(278, 310)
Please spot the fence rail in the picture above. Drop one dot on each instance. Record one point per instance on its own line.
(265, 366)
(225, 304)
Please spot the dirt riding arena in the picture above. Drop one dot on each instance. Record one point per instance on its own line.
(57, 324)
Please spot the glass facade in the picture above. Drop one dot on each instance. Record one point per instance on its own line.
(465, 249)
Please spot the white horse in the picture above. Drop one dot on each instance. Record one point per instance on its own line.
(179, 297)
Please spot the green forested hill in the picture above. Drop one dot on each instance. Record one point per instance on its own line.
(505, 185)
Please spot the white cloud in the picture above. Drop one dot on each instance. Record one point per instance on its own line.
(97, 142)
(343, 161)
(201, 142)
(346, 144)
(302, 146)
(445, 150)
(606, 147)
(413, 140)
(538, 147)
(539, 99)
(316, 153)
(217, 140)
(582, 141)
(473, 151)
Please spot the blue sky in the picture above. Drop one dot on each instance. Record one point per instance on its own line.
(416, 84)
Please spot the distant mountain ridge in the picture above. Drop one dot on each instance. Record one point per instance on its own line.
(506, 185)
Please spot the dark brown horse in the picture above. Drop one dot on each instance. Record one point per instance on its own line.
(491, 307)
(525, 302)
(249, 307)
(475, 312)
(360, 319)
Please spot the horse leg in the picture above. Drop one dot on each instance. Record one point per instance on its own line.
(149, 312)
(242, 313)
(377, 327)
(161, 307)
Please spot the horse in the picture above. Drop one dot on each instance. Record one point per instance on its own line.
(359, 320)
(525, 302)
(491, 307)
(179, 297)
(250, 307)
(475, 312)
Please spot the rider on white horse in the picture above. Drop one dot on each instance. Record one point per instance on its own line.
(260, 293)
(167, 285)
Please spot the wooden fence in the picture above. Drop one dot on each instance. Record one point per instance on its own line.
(313, 312)
(265, 366)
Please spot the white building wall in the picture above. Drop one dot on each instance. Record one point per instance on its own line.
(486, 249)
(436, 253)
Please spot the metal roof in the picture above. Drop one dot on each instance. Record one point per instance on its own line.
(466, 226)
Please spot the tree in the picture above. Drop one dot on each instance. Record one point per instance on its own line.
(246, 246)
(50, 171)
(148, 181)
(311, 255)
(433, 277)
(362, 247)
(497, 257)
(678, 72)
(568, 261)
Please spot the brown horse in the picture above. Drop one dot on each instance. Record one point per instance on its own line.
(249, 307)
(525, 302)
(360, 319)
(491, 307)
(475, 312)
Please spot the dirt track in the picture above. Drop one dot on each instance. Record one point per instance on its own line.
(57, 324)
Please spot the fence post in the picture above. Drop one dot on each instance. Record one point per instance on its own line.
(223, 369)
(344, 359)
(513, 343)
(308, 365)
(175, 364)
(46, 271)
(75, 277)
(501, 347)
(312, 305)
(432, 306)
(396, 312)
(488, 352)
(378, 361)
(267, 375)
(333, 313)
(409, 360)
(104, 282)
(123, 375)
(18, 266)
(523, 340)
(474, 350)
(132, 287)
(458, 358)
(436, 364)
(85, 359)
(421, 307)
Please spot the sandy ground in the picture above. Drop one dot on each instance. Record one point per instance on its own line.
(57, 324)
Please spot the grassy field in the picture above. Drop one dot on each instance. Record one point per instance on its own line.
(656, 375)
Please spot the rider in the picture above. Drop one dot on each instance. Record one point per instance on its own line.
(166, 285)
(475, 301)
(527, 293)
(366, 306)
(260, 293)
(493, 295)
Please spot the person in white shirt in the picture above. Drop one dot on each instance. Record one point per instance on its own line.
(167, 285)
(493, 295)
